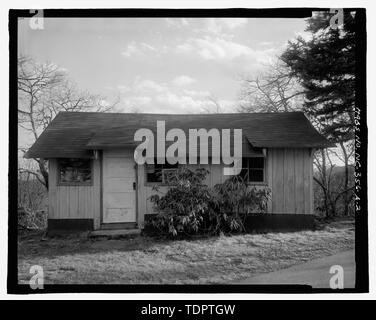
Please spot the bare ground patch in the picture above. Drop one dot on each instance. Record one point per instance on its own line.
(78, 260)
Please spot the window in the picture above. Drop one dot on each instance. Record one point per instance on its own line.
(253, 169)
(158, 172)
(75, 171)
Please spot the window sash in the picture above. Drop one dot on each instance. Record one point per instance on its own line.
(76, 171)
(161, 170)
(248, 167)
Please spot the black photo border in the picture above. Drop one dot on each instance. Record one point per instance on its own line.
(361, 220)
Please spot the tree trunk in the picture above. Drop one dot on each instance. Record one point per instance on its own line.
(43, 171)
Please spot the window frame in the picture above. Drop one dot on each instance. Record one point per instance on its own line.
(163, 183)
(260, 183)
(159, 183)
(73, 184)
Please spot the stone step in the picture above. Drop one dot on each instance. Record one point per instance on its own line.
(115, 233)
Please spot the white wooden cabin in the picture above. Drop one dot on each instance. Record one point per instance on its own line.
(95, 183)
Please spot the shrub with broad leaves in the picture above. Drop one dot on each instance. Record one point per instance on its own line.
(236, 199)
(183, 208)
(190, 207)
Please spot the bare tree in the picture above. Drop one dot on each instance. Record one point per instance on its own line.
(346, 156)
(213, 105)
(43, 91)
(334, 184)
(277, 90)
(274, 90)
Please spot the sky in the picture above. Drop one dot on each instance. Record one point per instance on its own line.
(160, 65)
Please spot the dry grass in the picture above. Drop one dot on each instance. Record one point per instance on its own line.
(146, 260)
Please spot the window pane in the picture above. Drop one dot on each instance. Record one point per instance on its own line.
(245, 162)
(75, 170)
(244, 174)
(256, 175)
(158, 172)
(257, 162)
(155, 176)
(154, 173)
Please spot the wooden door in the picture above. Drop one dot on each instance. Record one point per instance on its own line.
(119, 178)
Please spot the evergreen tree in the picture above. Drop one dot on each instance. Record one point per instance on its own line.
(325, 66)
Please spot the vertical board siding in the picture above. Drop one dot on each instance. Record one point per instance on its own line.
(269, 178)
(307, 181)
(74, 202)
(277, 157)
(311, 179)
(290, 179)
(299, 169)
(145, 190)
(290, 190)
(288, 175)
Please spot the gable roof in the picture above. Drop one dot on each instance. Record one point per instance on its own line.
(73, 134)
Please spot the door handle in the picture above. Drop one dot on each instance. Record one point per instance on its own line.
(134, 185)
